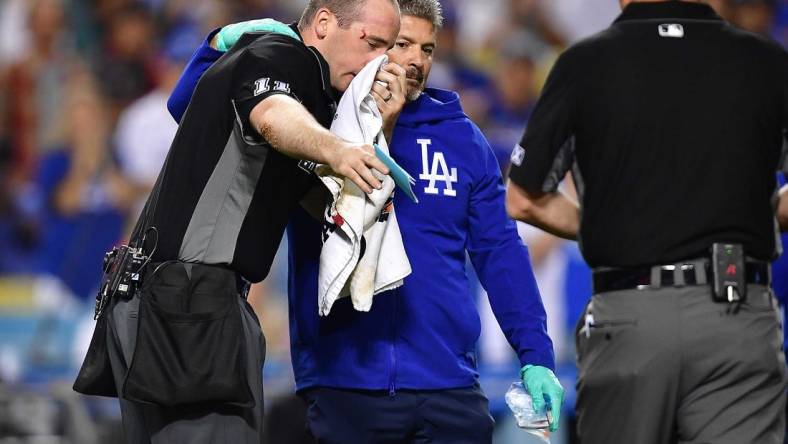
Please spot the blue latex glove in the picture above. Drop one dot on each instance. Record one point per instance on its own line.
(542, 385)
(230, 34)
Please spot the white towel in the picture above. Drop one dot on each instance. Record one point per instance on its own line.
(364, 255)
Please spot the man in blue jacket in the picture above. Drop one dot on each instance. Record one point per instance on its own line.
(411, 360)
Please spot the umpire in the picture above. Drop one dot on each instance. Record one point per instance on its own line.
(674, 121)
(186, 351)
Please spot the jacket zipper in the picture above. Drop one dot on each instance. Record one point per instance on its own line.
(393, 358)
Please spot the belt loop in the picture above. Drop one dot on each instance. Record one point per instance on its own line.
(678, 275)
(700, 272)
(242, 286)
(656, 277)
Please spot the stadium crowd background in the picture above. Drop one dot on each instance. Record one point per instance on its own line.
(84, 130)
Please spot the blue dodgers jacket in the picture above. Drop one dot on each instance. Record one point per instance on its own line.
(422, 335)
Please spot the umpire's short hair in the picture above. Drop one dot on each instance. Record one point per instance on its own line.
(346, 11)
(429, 10)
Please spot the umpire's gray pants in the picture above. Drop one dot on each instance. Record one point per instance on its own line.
(147, 423)
(671, 366)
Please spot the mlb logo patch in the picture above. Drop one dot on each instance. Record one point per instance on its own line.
(307, 165)
(671, 30)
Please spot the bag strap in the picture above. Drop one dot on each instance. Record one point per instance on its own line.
(145, 221)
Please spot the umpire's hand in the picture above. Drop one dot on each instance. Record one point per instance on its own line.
(357, 162)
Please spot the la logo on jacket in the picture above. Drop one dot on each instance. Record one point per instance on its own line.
(436, 171)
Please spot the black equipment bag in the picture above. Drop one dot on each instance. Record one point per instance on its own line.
(190, 346)
(95, 375)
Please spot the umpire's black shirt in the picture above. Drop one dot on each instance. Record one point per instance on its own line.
(675, 119)
(225, 194)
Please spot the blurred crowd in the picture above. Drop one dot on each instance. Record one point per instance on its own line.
(84, 131)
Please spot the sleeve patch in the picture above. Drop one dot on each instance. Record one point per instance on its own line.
(262, 86)
(518, 154)
(281, 86)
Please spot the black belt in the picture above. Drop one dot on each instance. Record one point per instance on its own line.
(673, 275)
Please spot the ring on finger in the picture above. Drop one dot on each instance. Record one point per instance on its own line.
(389, 97)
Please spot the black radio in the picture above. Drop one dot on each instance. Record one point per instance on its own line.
(121, 275)
(728, 273)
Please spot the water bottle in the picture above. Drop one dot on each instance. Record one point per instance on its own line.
(522, 405)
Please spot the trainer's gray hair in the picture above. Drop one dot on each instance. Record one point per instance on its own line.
(346, 11)
(429, 10)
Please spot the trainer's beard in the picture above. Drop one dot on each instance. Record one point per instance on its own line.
(414, 93)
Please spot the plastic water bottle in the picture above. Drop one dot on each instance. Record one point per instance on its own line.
(522, 405)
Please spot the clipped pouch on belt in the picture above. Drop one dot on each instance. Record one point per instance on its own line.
(190, 340)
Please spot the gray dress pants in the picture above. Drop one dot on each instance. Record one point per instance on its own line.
(669, 365)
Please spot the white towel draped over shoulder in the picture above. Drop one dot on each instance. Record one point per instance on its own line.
(362, 251)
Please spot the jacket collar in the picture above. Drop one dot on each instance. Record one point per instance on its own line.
(667, 10)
